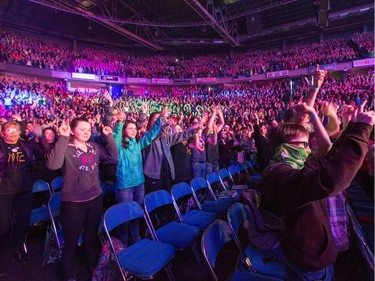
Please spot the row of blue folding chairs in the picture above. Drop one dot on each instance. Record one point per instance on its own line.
(148, 256)
(195, 208)
(153, 252)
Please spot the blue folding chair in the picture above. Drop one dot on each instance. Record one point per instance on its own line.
(243, 168)
(267, 262)
(54, 205)
(222, 194)
(225, 176)
(144, 258)
(206, 198)
(254, 176)
(214, 238)
(183, 198)
(178, 234)
(57, 184)
(233, 169)
(40, 214)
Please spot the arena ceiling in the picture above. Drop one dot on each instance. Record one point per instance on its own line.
(185, 24)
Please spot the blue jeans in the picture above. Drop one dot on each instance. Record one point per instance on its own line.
(293, 273)
(198, 169)
(212, 166)
(136, 194)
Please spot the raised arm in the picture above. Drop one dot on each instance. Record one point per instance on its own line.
(314, 89)
(322, 138)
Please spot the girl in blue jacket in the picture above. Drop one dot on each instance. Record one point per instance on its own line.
(129, 173)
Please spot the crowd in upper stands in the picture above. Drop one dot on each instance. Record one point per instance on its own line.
(55, 55)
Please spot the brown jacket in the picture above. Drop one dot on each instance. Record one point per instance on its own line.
(299, 197)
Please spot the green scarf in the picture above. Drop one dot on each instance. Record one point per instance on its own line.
(290, 155)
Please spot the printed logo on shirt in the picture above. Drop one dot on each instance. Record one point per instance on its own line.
(87, 158)
(16, 158)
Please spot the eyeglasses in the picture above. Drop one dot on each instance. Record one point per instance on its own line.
(305, 144)
(12, 130)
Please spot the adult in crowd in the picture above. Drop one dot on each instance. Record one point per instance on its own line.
(226, 144)
(212, 150)
(264, 150)
(81, 206)
(197, 144)
(159, 168)
(181, 158)
(16, 183)
(45, 142)
(129, 174)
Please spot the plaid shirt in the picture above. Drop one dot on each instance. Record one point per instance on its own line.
(338, 218)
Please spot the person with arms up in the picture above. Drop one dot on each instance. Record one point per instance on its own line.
(81, 206)
(297, 191)
(129, 174)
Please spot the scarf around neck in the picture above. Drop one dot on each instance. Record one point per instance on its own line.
(290, 155)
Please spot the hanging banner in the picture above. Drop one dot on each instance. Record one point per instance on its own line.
(86, 76)
(363, 63)
(109, 78)
(160, 81)
(136, 80)
(277, 74)
(206, 80)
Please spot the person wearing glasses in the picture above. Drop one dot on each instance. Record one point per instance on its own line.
(16, 183)
(296, 188)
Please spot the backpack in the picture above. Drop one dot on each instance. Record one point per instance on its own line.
(107, 269)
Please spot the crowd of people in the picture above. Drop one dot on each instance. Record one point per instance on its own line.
(46, 53)
(149, 143)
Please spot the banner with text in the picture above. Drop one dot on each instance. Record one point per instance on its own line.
(179, 80)
(160, 81)
(363, 63)
(109, 78)
(206, 80)
(86, 76)
(277, 74)
(136, 80)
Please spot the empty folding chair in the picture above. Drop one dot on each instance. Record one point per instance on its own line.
(243, 168)
(268, 262)
(206, 198)
(173, 232)
(222, 194)
(214, 238)
(41, 194)
(254, 176)
(234, 171)
(56, 184)
(226, 178)
(144, 258)
(184, 201)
